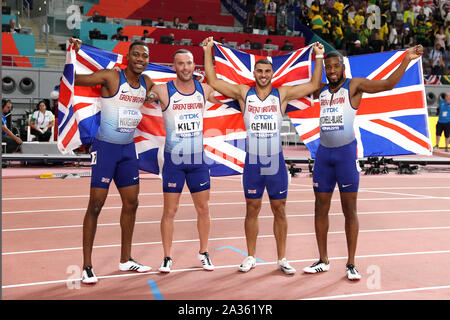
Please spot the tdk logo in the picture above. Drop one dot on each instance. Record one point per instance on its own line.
(264, 117)
(189, 116)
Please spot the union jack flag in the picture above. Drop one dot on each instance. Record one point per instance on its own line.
(237, 67)
(389, 123)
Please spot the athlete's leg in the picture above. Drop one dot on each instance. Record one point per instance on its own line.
(321, 223)
(348, 202)
(171, 202)
(200, 200)
(279, 225)
(253, 207)
(129, 196)
(97, 198)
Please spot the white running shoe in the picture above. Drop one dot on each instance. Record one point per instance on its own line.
(352, 273)
(284, 266)
(166, 265)
(88, 276)
(247, 264)
(206, 261)
(132, 265)
(317, 267)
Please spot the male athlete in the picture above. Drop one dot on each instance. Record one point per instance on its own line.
(263, 108)
(183, 102)
(336, 158)
(113, 155)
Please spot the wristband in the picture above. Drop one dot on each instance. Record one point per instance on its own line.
(320, 56)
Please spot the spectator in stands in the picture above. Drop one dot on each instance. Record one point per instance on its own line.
(41, 122)
(223, 40)
(422, 35)
(171, 38)
(436, 60)
(145, 35)
(356, 48)
(317, 22)
(407, 38)
(12, 141)
(443, 124)
(271, 14)
(12, 26)
(160, 22)
(246, 45)
(359, 20)
(287, 46)
(176, 23)
(94, 15)
(119, 35)
(260, 19)
(377, 44)
(285, 31)
(440, 38)
(191, 23)
(94, 34)
(281, 15)
(337, 36)
(393, 37)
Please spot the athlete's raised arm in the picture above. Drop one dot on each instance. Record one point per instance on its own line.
(295, 92)
(99, 77)
(360, 85)
(229, 90)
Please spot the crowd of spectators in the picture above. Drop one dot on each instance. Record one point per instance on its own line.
(363, 26)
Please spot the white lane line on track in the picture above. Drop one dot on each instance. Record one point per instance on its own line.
(144, 194)
(224, 267)
(233, 218)
(214, 204)
(353, 295)
(225, 238)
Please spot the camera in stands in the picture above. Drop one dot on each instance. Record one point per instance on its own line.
(99, 19)
(193, 26)
(146, 22)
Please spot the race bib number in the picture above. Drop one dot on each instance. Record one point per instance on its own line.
(128, 119)
(188, 125)
(444, 113)
(332, 118)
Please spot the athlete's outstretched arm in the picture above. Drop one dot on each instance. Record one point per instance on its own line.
(295, 92)
(374, 86)
(93, 79)
(227, 89)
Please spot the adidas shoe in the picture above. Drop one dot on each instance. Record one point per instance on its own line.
(166, 265)
(247, 264)
(88, 276)
(132, 265)
(206, 261)
(317, 267)
(352, 273)
(284, 266)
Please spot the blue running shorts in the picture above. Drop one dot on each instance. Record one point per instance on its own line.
(336, 165)
(265, 172)
(116, 162)
(190, 168)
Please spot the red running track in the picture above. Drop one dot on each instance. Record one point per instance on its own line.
(403, 248)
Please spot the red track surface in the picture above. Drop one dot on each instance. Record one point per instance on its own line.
(403, 248)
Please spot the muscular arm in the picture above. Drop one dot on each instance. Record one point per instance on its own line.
(361, 85)
(227, 89)
(93, 79)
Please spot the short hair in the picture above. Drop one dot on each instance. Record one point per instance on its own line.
(336, 54)
(181, 51)
(137, 43)
(263, 61)
(120, 28)
(4, 102)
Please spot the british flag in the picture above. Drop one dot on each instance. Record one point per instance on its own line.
(389, 123)
(237, 67)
